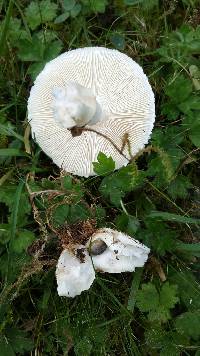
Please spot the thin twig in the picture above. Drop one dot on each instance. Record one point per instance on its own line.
(87, 129)
(48, 191)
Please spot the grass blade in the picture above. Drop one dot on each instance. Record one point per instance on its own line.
(5, 27)
(6, 176)
(194, 249)
(15, 210)
(8, 131)
(134, 288)
(173, 217)
(13, 224)
(12, 152)
(108, 291)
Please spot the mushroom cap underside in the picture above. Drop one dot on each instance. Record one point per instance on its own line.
(121, 89)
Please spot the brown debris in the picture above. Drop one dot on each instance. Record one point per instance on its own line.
(194, 19)
(36, 247)
(80, 254)
(76, 131)
(77, 233)
(155, 265)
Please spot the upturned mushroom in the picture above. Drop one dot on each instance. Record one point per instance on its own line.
(101, 90)
(106, 250)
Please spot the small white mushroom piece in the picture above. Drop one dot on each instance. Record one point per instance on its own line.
(73, 274)
(75, 105)
(123, 253)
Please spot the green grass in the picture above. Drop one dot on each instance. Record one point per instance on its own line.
(156, 310)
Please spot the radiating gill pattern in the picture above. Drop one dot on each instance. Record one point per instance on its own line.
(121, 88)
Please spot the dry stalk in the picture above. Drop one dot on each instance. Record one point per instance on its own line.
(35, 267)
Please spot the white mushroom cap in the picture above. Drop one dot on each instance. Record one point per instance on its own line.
(123, 253)
(122, 92)
(74, 276)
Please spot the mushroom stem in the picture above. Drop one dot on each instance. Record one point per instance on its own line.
(75, 105)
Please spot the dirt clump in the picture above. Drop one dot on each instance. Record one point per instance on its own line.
(77, 233)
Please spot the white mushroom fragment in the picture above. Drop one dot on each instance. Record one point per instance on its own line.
(106, 250)
(122, 254)
(74, 274)
(75, 105)
(101, 88)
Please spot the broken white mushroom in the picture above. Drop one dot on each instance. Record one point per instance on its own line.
(73, 274)
(101, 88)
(107, 250)
(118, 251)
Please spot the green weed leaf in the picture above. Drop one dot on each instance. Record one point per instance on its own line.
(127, 223)
(67, 182)
(188, 324)
(116, 185)
(158, 236)
(78, 212)
(179, 90)
(68, 4)
(6, 348)
(171, 350)
(61, 18)
(31, 50)
(157, 304)
(53, 50)
(99, 5)
(60, 214)
(147, 298)
(105, 165)
(19, 341)
(188, 288)
(8, 197)
(40, 12)
(22, 240)
(192, 123)
(76, 10)
(178, 187)
(168, 296)
(164, 166)
(118, 41)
